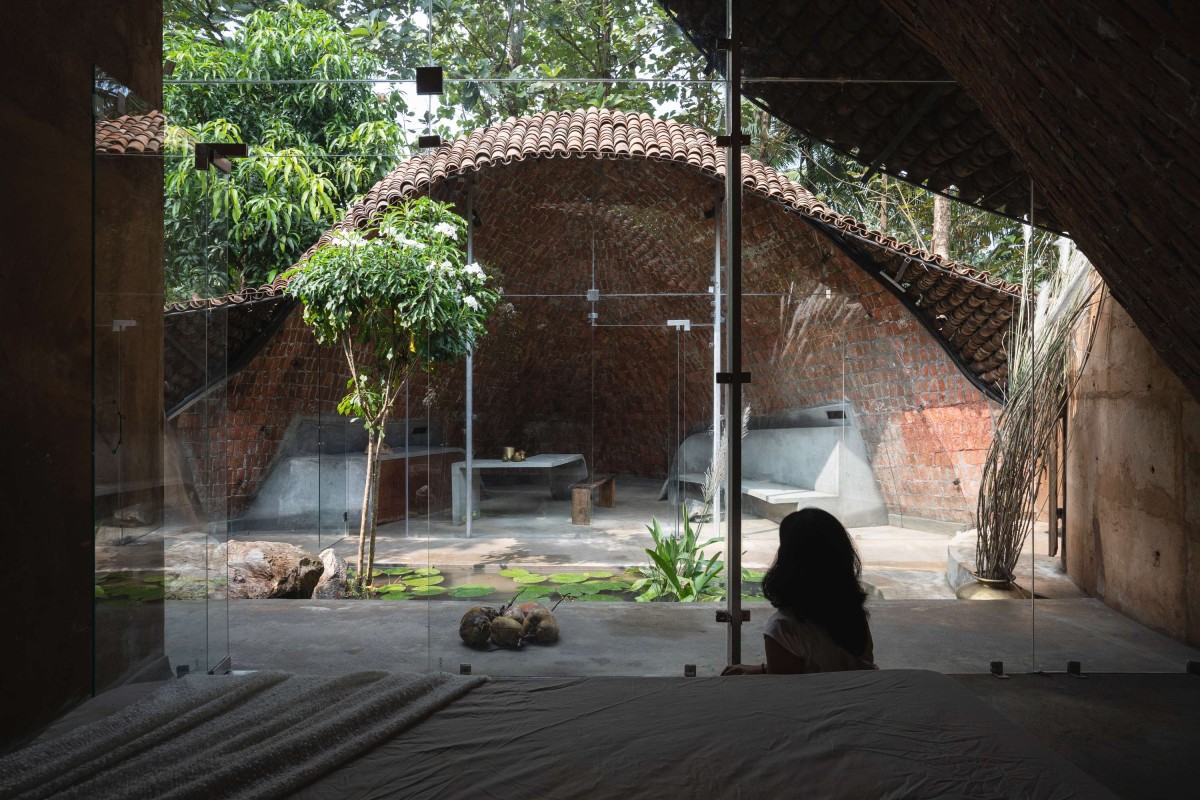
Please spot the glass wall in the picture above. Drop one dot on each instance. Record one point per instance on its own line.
(579, 457)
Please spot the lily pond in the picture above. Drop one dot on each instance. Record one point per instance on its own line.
(597, 585)
(400, 582)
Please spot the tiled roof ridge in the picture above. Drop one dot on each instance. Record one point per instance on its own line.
(595, 133)
(131, 134)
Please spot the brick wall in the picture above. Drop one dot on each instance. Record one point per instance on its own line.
(624, 391)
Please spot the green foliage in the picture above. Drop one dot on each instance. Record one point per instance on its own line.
(223, 232)
(528, 579)
(988, 241)
(397, 295)
(678, 569)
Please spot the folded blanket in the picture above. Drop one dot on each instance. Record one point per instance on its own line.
(264, 734)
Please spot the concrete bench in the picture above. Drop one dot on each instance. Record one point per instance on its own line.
(581, 497)
(785, 469)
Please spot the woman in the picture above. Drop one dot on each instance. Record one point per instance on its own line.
(821, 624)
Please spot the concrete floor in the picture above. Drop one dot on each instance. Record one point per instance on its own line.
(335, 636)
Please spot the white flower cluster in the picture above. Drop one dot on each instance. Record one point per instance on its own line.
(474, 270)
(393, 233)
(446, 229)
(471, 302)
(347, 239)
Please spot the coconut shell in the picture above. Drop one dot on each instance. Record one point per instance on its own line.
(506, 632)
(488, 611)
(475, 628)
(532, 606)
(546, 631)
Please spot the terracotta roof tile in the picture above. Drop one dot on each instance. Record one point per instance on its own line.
(967, 309)
(132, 134)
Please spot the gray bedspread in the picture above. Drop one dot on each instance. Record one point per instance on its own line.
(886, 734)
(260, 735)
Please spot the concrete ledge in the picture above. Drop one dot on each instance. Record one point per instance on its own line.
(924, 524)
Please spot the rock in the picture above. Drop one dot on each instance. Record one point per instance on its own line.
(333, 582)
(260, 570)
(193, 569)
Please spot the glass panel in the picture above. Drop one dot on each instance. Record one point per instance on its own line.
(622, 391)
(195, 363)
(127, 396)
(162, 464)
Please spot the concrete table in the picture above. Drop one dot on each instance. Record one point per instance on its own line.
(562, 470)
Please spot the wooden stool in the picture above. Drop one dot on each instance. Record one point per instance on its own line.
(581, 497)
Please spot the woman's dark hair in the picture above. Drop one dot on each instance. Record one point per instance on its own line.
(815, 577)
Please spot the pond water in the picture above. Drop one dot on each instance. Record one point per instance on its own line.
(493, 585)
(502, 585)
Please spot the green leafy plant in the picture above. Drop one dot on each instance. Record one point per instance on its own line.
(312, 147)
(394, 297)
(678, 569)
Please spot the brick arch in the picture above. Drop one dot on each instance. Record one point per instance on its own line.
(819, 329)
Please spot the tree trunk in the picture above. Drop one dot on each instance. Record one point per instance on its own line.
(940, 243)
(363, 574)
(374, 468)
(883, 209)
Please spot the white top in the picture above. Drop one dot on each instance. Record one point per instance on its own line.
(808, 642)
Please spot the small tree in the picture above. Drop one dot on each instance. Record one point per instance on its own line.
(395, 297)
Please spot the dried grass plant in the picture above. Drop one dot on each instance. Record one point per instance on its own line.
(1041, 375)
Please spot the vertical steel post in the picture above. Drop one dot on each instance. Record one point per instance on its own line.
(470, 410)
(733, 330)
(716, 345)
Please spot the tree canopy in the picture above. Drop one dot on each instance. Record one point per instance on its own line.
(315, 143)
(316, 146)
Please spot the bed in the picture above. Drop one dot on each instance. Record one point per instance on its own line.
(884, 734)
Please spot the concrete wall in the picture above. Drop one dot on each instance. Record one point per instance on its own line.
(1133, 483)
(49, 49)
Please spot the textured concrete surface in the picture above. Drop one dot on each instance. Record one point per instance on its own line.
(333, 636)
(1133, 485)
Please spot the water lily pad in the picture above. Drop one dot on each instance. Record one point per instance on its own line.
(600, 598)
(397, 571)
(427, 591)
(530, 578)
(376, 573)
(426, 571)
(396, 596)
(572, 590)
(599, 574)
(514, 573)
(472, 590)
(534, 593)
(568, 577)
(390, 588)
(99, 591)
(425, 582)
(607, 586)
